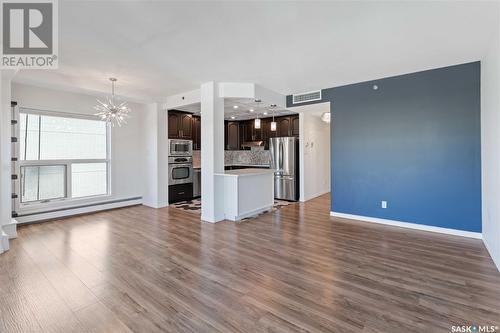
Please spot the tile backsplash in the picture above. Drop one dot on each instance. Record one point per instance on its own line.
(251, 157)
(239, 157)
(196, 158)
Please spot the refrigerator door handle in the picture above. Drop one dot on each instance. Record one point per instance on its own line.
(283, 177)
(280, 166)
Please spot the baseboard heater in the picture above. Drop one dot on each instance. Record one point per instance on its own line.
(76, 210)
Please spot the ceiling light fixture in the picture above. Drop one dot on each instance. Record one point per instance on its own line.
(235, 107)
(111, 111)
(326, 117)
(265, 113)
(257, 123)
(273, 123)
(233, 117)
(251, 110)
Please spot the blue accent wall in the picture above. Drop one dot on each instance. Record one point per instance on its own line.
(415, 142)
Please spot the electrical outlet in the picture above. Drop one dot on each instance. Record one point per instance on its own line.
(384, 204)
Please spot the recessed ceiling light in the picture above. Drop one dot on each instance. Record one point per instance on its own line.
(251, 110)
(235, 107)
(265, 113)
(233, 117)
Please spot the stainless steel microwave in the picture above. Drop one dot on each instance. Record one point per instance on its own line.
(178, 147)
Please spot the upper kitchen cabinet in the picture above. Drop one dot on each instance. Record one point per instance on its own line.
(186, 126)
(180, 125)
(173, 125)
(232, 135)
(247, 132)
(287, 126)
(196, 133)
(295, 125)
(265, 131)
(283, 125)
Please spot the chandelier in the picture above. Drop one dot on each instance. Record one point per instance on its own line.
(112, 111)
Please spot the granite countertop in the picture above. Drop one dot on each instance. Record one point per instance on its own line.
(245, 172)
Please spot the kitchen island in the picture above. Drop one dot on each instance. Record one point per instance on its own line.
(247, 192)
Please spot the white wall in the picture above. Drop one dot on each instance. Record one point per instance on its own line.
(314, 151)
(490, 147)
(127, 143)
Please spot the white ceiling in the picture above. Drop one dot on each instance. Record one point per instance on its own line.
(157, 49)
(246, 109)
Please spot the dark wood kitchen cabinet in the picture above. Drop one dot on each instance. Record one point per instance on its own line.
(238, 132)
(283, 126)
(295, 125)
(196, 133)
(247, 131)
(250, 133)
(287, 126)
(180, 125)
(265, 131)
(173, 125)
(232, 135)
(186, 126)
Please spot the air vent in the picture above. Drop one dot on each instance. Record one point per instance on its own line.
(307, 97)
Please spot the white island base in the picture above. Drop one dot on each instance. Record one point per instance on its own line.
(247, 192)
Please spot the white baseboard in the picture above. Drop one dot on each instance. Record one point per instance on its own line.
(156, 205)
(248, 214)
(11, 229)
(315, 195)
(4, 241)
(494, 256)
(211, 219)
(76, 211)
(454, 232)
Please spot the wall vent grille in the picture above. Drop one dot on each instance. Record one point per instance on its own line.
(306, 97)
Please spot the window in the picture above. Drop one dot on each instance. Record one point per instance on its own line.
(62, 156)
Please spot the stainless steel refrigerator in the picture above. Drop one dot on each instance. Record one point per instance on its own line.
(285, 162)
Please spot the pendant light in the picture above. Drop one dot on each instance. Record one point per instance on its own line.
(273, 124)
(111, 111)
(257, 123)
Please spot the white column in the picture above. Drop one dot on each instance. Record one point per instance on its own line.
(155, 156)
(212, 152)
(4, 241)
(7, 224)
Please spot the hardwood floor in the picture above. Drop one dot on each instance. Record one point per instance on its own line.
(293, 270)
